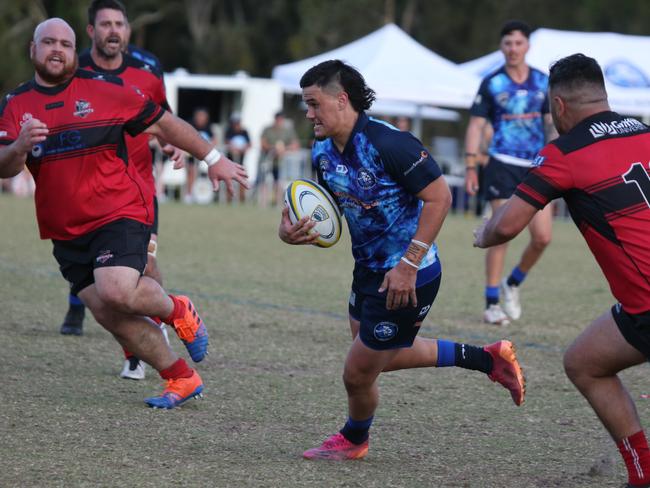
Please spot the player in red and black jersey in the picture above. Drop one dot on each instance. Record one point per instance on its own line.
(109, 32)
(600, 166)
(69, 127)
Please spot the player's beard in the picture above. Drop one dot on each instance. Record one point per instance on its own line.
(62, 76)
(107, 51)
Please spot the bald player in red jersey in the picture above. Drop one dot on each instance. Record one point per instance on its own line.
(109, 32)
(69, 127)
(600, 166)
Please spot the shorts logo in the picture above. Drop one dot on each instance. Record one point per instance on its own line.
(366, 179)
(385, 331)
(424, 311)
(82, 108)
(353, 298)
(104, 256)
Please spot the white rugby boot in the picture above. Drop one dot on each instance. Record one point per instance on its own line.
(494, 315)
(511, 303)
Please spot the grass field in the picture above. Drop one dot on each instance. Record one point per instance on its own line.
(277, 316)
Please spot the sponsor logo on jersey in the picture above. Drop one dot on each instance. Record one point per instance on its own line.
(3, 133)
(616, 127)
(341, 169)
(538, 161)
(366, 179)
(502, 98)
(104, 256)
(82, 108)
(385, 331)
(322, 163)
(423, 156)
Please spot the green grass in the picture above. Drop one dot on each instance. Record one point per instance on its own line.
(277, 316)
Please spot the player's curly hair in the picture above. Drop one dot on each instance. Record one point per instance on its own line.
(97, 5)
(336, 71)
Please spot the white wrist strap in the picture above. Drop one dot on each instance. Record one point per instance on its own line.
(212, 157)
(410, 263)
(421, 244)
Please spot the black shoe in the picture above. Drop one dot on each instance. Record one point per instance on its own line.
(74, 321)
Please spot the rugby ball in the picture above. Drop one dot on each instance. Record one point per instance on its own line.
(305, 197)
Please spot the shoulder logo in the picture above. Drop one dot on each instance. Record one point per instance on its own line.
(615, 127)
(423, 155)
(82, 108)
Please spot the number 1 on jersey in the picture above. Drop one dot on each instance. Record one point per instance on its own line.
(639, 176)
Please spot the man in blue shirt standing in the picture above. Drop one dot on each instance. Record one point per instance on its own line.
(514, 100)
(394, 201)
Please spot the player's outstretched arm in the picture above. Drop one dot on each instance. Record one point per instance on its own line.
(176, 131)
(14, 155)
(506, 223)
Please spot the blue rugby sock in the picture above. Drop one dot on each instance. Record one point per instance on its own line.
(517, 277)
(463, 356)
(74, 301)
(356, 431)
(491, 295)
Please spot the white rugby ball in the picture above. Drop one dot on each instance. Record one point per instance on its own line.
(307, 198)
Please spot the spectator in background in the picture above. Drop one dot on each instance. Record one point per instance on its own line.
(403, 124)
(277, 139)
(201, 122)
(237, 143)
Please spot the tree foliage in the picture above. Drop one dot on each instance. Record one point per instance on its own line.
(224, 36)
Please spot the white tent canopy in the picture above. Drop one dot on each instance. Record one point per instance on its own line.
(625, 61)
(397, 67)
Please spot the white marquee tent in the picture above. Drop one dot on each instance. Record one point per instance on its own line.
(625, 61)
(397, 67)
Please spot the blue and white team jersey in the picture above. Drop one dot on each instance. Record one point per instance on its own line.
(375, 181)
(516, 111)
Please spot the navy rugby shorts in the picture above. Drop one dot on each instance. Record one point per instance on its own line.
(120, 243)
(381, 328)
(501, 179)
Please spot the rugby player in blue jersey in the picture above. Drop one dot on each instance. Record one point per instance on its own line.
(513, 99)
(394, 200)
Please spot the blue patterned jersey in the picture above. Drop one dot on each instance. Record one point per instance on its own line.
(374, 182)
(516, 112)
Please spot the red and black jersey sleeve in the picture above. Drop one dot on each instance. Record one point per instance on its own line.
(548, 180)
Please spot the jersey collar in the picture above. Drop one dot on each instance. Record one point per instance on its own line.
(52, 90)
(86, 60)
(362, 122)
